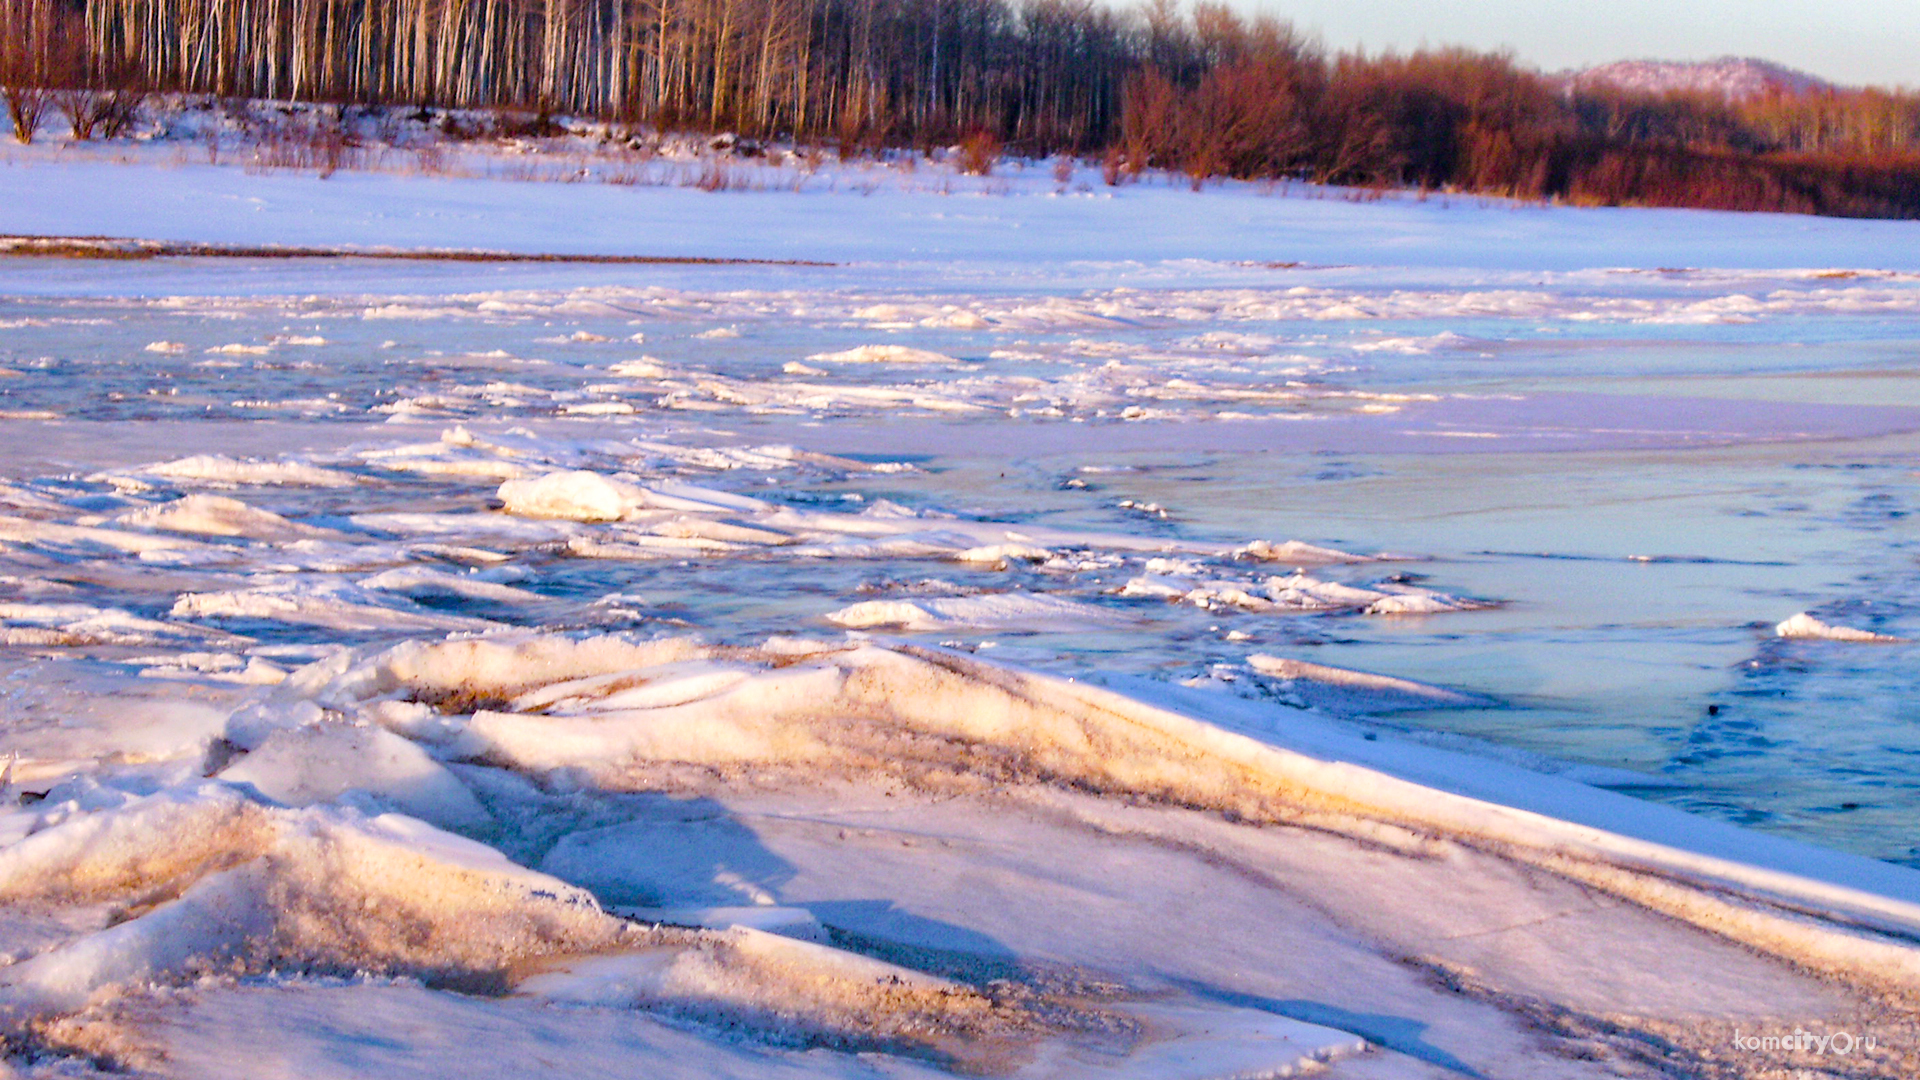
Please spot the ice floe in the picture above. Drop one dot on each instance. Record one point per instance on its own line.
(216, 515)
(320, 602)
(1805, 625)
(1174, 579)
(83, 624)
(882, 354)
(1361, 691)
(993, 611)
(217, 469)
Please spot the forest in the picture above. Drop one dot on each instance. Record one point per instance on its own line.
(1200, 90)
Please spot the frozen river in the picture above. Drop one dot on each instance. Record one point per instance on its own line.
(1152, 634)
(1639, 473)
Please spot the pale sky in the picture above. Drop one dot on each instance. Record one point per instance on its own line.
(1846, 41)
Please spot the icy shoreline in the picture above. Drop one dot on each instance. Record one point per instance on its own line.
(619, 810)
(270, 887)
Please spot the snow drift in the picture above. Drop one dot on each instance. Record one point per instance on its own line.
(627, 714)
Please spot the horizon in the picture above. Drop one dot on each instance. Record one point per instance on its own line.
(1867, 44)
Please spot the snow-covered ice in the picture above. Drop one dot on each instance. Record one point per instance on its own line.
(1805, 625)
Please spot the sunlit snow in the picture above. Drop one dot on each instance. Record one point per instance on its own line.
(1070, 632)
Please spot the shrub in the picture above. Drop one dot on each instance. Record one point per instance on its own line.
(978, 152)
(26, 107)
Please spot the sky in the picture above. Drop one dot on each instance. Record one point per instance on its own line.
(1852, 42)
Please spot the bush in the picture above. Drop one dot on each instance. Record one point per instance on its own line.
(107, 113)
(978, 152)
(27, 108)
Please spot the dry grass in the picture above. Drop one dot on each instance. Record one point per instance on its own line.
(107, 247)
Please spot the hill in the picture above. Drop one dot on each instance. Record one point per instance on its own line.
(1735, 78)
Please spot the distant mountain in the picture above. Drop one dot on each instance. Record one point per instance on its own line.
(1733, 77)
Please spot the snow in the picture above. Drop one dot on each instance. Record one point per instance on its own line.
(1022, 222)
(678, 857)
(303, 766)
(1731, 77)
(1051, 643)
(728, 714)
(262, 885)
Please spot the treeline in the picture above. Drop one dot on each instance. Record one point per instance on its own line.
(1202, 91)
(1044, 74)
(1222, 96)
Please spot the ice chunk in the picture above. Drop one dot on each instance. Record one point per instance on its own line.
(1359, 689)
(83, 624)
(456, 454)
(216, 468)
(647, 367)
(1299, 554)
(426, 581)
(1313, 594)
(52, 534)
(1003, 554)
(1421, 603)
(491, 528)
(219, 667)
(573, 496)
(657, 687)
(883, 354)
(216, 515)
(729, 533)
(1300, 591)
(1804, 625)
(321, 602)
(1002, 611)
(458, 673)
(698, 498)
